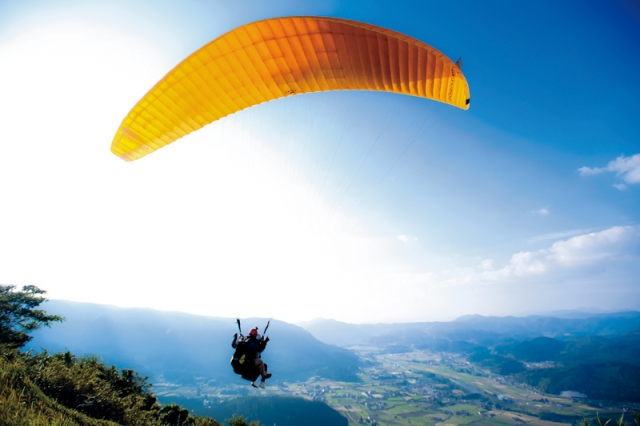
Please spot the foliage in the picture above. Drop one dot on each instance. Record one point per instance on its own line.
(496, 363)
(23, 403)
(92, 388)
(280, 410)
(598, 349)
(19, 316)
(619, 422)
(135, 337)
(173, 414)
(577, 350)
(343, 373)
(62, 389)
(240, 421)
(600, 367)
(538, 349)
(614, 381)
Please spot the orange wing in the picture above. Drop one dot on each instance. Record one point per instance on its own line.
(279, 57)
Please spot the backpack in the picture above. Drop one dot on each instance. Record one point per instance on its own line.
(242, 364)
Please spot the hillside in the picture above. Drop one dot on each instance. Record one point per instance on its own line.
(283, 411)
(476, 329)
(178, 347)
(608, 381)
(595, 354)
(538, 350)
(65, 391)
(23, 403)
(61, 389)
(576, 350)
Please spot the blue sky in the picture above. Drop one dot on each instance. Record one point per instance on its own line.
(359, 206)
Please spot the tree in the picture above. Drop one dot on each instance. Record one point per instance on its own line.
(241, 421)
(19, 316)
(174, 415)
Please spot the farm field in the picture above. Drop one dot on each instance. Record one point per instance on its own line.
(419, 388)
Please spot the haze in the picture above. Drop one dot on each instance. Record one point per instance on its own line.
(358, 206)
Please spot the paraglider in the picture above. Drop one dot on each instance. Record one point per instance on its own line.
(273, 59)
(280, 57)
(247, 359)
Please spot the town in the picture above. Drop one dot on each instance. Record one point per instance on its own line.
(422, 388)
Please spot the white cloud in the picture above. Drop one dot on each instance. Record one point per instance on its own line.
(612, 243)
(486, 264)
(619, 243)
(589, 171)
(403, 238)
(590, 269)
(521, 264)
(620, 186)
(559, 235)
(626, 168)
(588, 249)
(541, 211)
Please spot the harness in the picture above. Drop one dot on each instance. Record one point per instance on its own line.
(241, 362)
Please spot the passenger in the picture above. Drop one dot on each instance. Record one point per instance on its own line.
(255, 346)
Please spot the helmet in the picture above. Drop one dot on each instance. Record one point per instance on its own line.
(253, 332)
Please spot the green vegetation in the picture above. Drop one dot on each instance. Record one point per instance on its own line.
(196, 350)
(577, 350)
(61, 389)
(538, 350)
(619, 422)
(600, 367)
(610, 381)
(408, 389)
(496, 363)
(280, 410)
(401, 386)
(19, 316)
(23, 403)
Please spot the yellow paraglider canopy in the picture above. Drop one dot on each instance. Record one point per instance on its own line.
(279, 57)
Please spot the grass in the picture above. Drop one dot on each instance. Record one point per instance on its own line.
(23, 404)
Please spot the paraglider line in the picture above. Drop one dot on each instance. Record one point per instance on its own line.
(413, 139)
(336, 150)
(380, 132)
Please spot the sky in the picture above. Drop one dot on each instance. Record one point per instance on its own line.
(359, 206)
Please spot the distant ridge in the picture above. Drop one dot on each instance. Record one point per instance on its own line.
(344, 334)
(179, 347)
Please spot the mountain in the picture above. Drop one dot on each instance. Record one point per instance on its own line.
(179, 347)
(270, 410)
(476, 329)
(594, 324)
(613, 381)
(573, 351)
(538, 350)
(339, 333)
(596, 354)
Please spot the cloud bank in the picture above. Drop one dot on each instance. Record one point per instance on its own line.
(626, 168)
(617, 243)
(597, 269)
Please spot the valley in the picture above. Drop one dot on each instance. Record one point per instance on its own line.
(472, 370)
(412, 388)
